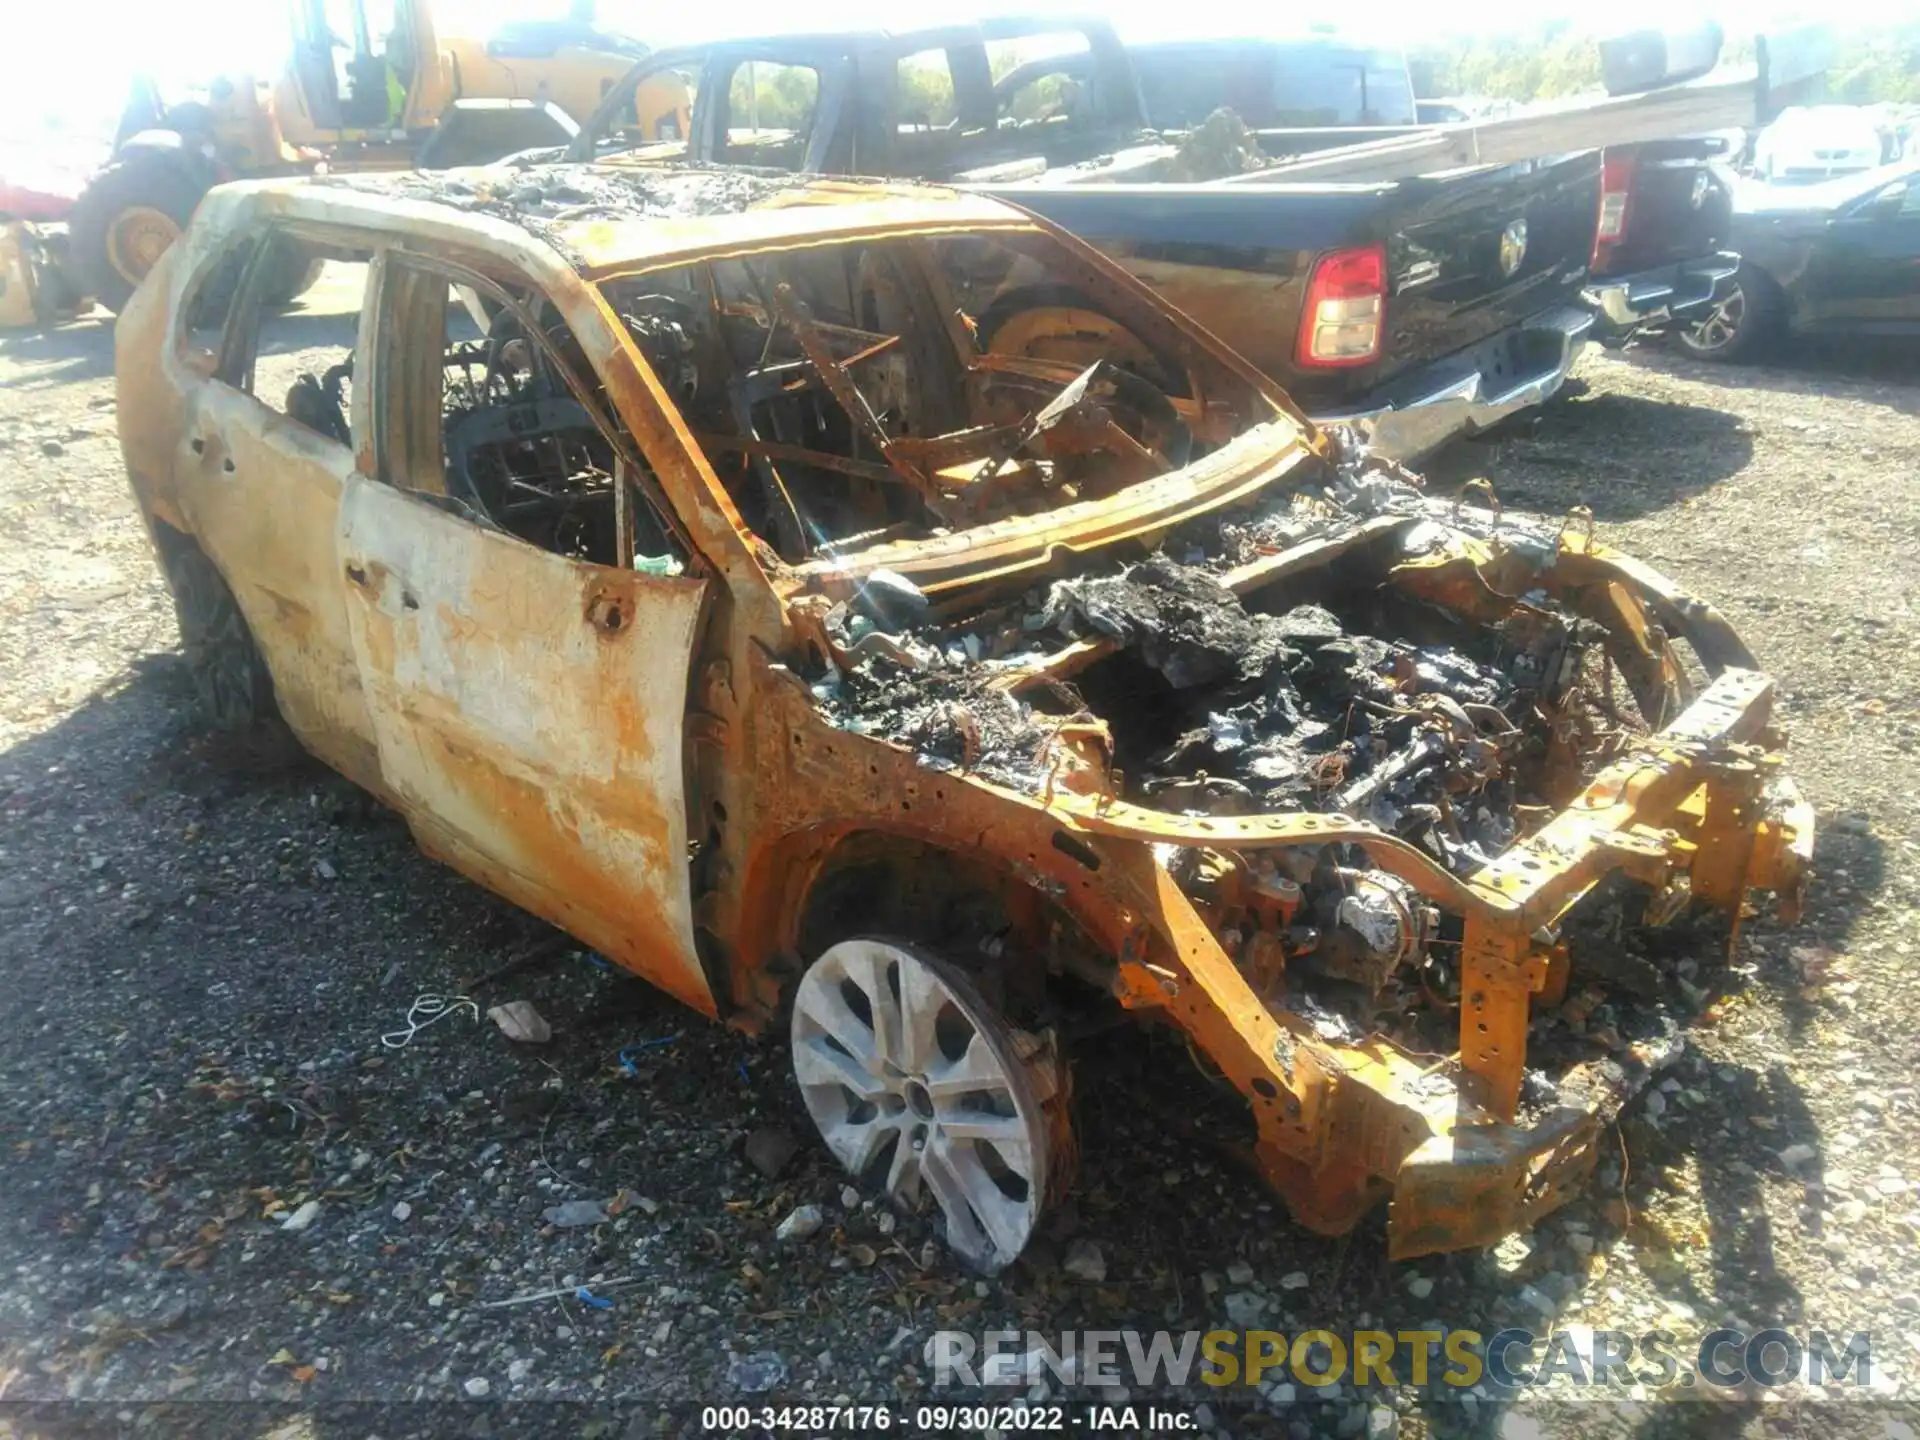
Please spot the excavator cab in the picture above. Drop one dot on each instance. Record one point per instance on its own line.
(353, 67)
(369, 85)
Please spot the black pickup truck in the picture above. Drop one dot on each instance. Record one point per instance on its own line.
(1416, 309)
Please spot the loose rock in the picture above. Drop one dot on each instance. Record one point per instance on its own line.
(757, 1373)
(1085, 1261)
(302, 1218)
(769, 1150)
(802, 1222)
(520, 1022)
(574, 1213)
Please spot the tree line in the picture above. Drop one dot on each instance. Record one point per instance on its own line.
(1871, 64)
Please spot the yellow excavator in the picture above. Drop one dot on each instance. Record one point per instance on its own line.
(369, 86)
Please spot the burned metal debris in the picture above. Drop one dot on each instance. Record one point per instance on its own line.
(941, 704)
(1345, 697)
(1236, 709)
(544, 199)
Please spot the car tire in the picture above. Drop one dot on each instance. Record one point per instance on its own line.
(230, 680)
(1057, 322)
(294, 273)
(126, 218)
(1738, 325)
(920, 1087)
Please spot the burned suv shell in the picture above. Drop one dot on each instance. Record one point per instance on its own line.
(723, 603)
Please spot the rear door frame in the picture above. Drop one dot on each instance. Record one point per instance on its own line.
(529, 709)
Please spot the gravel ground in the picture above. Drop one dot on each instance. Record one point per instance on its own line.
(200, 954)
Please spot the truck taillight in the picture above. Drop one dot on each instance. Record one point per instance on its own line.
(1346, 308)
(1616, 201)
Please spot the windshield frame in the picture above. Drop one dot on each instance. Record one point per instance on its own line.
(1265, 450)
(585, 146)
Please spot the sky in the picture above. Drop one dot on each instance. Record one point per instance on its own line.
(74, 58)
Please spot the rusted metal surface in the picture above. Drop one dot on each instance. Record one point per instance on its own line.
(659, 763)
(528, 715)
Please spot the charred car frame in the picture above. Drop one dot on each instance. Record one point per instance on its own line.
(670, 553)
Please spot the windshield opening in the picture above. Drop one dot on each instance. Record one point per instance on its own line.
(865, 391)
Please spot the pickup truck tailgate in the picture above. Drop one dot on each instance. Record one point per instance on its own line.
(1238, 259)
(1473, 254)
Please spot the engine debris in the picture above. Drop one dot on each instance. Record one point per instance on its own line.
(1341, 693)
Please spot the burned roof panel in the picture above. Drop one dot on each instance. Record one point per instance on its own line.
(608, 218)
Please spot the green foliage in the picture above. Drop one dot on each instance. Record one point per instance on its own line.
(1881, 64)
(1537, 65)
(1870, 64)
(926, 91)
(1035, 100)
(926, 87)
(786, 96)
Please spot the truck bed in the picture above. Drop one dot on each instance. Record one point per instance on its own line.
(1238, 260)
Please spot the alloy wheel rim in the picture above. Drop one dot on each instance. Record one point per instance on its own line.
(1721, 325)
(137, 239)
(909, 1076)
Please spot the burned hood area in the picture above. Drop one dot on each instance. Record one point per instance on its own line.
(1283, 657)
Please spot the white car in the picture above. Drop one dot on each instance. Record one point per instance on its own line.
(1819, 143)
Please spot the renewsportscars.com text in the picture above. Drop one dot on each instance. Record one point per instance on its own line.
(1511, 1359)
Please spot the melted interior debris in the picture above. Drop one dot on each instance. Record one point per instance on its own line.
(1335, 690)
(1358, 700)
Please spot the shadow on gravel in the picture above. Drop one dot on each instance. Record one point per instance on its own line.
(1849, 873)
(215, 1040)
(82, 350)
(1622, 456)
(1886, 369)
(1727, 1165)
(300, 330)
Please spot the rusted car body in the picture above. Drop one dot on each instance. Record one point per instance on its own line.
(809, 653)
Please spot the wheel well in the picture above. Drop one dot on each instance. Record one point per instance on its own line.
(170, 544)
(1171, 375)
(1014, 941)
(1776, 302)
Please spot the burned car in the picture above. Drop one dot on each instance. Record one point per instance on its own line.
(669, 551)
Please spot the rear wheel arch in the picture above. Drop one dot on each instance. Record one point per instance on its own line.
(230, 675)
(1740, 324)
(1040, 321)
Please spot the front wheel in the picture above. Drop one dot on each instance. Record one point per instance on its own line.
(914, 1081)
(1737, 325)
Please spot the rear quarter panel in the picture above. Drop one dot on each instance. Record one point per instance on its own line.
(149, 410)
(261, 500)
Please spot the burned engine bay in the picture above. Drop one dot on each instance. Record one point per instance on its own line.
(1340, 685)
(1342, 644)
